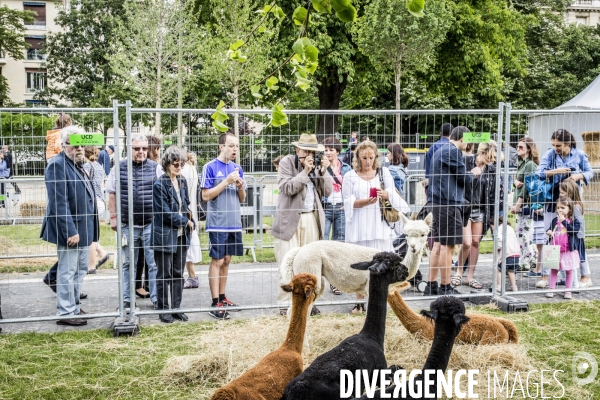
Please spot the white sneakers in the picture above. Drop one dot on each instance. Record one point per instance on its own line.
(567, 296)
(585, 284)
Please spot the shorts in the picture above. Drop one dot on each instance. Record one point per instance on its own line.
(476, 215)
(511, 264)
(539, 233)
(447, 226)
(223, 244)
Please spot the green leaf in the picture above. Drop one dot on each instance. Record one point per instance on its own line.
(299, 15)
(278, 117)
(322, 6)
(236, 45)
(311, 67)
(219, 114)
(302, 82)
(255, 90)
(221, 127)
(415, 7)
(347, 14)
(278, 12)
(340, 5)
(298, 48)
(311, 53)
(272, 83)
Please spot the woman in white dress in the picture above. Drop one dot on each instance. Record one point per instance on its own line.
(365, 225)
(194, 254)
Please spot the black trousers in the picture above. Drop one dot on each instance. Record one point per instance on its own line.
(141, 273)
(170, 275)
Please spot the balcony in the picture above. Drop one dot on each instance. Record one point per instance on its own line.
(585, 4)
(2, 59)
(36, 55)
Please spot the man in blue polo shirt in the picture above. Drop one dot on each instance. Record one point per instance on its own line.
(223, 188)
(445, 130)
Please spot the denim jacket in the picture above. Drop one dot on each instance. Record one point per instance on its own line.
(399, 174)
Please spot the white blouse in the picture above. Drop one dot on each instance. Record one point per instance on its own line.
(365, 225)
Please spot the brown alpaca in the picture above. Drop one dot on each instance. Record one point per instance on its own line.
(268, 379)
(480, 329)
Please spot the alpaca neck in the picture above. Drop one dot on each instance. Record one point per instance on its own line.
(410, 319)
(411, 261)
(295, 334)
(376, 308)
(441, 348)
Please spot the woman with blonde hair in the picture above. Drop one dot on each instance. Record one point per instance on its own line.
(194, 254)
(361, 192)
(483, 208)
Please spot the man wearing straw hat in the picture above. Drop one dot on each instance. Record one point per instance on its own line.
(300, 218)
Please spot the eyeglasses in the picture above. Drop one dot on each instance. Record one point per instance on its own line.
(140, 148)
(69, 144)
(176, 164)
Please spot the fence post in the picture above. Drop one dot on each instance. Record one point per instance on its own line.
(117, 158)
(505, 208)
(497, 196)
(130, 227)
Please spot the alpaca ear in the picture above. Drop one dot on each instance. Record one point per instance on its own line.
(286, 288)
(403, 218)
(363, 266)
(460, 319)
(429, 219)
(378, 268)
(308, 291)
(429, 314)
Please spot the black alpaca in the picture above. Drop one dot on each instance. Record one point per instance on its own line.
(449, 315)
(321, 380)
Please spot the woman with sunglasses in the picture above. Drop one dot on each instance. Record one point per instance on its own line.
(563, 161)
(173, 225)
(530, 227)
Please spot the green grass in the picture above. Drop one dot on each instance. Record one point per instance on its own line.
(93, 364)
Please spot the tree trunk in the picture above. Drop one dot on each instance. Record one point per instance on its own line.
(397, 77)
(158, 76)
(330, 94)
(180, 95)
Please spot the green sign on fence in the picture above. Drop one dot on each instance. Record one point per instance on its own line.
(476, 137)
(86, 139)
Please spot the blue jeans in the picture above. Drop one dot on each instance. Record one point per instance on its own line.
(336, 219)
(142, 238)
(72, 267)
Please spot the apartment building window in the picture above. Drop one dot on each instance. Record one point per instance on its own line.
(40, 10)
(36, 47)
(36, 79)
(581, 20)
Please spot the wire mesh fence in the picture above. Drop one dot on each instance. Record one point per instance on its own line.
(253, 278)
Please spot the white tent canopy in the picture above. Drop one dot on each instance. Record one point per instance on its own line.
(588, 99)
(542, 124)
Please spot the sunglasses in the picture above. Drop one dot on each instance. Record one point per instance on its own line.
(176, 164)
(140, 148)
(522, 147)
(69, 144)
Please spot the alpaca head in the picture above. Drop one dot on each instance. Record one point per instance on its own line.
(386, 266)
(303, 285)
(447, 311)
(416, 232)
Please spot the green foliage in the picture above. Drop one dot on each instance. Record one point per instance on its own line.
(12, 43)
(79, 70)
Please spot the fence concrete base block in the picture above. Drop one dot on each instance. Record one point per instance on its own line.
(126, 326)
(510, 304)
(481, 299)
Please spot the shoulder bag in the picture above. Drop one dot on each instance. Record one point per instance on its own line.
(388, 213)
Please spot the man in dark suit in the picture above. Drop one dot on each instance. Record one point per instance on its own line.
(71, 222)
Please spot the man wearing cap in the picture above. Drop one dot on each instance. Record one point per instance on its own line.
(104, 158)
(300, 218)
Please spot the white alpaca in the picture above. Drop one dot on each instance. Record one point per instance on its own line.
(332, 260)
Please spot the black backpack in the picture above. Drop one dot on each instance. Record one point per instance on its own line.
(202, 206)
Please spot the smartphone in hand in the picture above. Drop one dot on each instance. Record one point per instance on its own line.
(373, 192)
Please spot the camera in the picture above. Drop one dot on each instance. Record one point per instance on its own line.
(318, 157)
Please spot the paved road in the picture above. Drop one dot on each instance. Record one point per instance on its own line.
(253, 285)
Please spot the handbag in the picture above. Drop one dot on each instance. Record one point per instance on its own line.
(202, 206)
(551, 255)
(540, 190)
(388, 212)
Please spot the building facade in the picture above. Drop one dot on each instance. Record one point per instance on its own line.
(584, 12)
(27, 76)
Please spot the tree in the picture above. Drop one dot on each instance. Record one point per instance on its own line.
(12, 42)
(485, 43)
(78, 65)
(232, 20)
(396, 41)
(154, 48)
